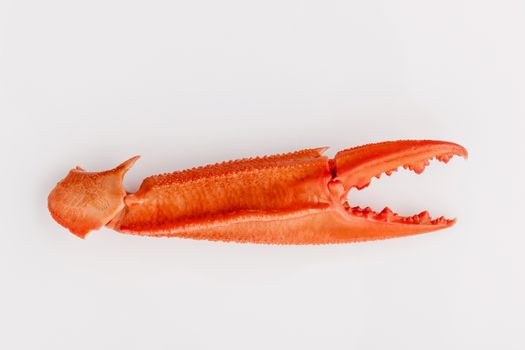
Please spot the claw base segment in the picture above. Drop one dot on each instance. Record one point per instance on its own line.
(85, 201)
(292, 198)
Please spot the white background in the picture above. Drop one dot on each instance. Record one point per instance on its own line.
(92, 83)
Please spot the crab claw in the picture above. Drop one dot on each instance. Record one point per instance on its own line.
(85, 201)
(291, 198)
(355, 167)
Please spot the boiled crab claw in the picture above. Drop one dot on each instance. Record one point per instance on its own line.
(292, 198)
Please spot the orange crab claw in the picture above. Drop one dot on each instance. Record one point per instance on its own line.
(293, 198)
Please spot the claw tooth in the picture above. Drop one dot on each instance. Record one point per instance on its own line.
(387, 211)
(386, 214)
(444, 158)
(424, 213)
(418, 168)
(357, 208)
(363, 184)
(424, 216)
(357, 211)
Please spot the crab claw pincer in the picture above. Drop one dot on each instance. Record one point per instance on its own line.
(355, 167)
